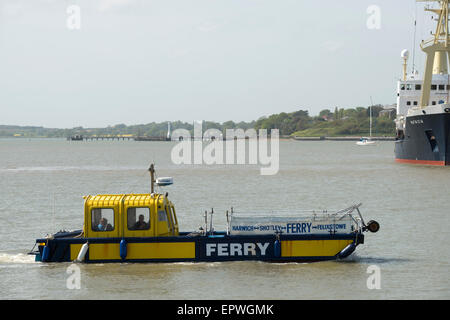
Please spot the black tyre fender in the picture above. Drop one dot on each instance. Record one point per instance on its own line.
(373, 226)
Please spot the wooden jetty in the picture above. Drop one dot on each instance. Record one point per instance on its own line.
(147, 138)
(116, 137)
(101, 137)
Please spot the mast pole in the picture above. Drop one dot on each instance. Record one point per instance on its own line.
(152, 177)
(370, 115)
(414, 43)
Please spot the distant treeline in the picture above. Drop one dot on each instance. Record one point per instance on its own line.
(151, 129)
(339, 122)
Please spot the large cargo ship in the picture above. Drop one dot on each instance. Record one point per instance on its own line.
(423, 105)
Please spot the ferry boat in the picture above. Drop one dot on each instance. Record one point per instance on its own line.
(77, 137)
(144, 228)
(423, 105)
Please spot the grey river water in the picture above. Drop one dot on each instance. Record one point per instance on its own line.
(42, 182)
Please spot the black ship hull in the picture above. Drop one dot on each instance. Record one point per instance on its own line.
(425, 140)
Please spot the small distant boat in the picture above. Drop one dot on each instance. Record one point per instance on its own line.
(366, 142)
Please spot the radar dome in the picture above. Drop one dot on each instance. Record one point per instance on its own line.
(405, 54)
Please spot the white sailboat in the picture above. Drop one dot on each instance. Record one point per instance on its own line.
(368, 141)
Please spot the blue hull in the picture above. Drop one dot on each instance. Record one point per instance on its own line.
(220, 247)
(425, 141)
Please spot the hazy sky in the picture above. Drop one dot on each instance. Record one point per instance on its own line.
(139, 61)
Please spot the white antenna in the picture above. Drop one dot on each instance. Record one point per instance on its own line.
(414, 41)
(405, 55)
(370, 115)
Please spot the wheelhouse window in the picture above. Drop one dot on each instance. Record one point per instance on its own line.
(433, 87)
(402, 87)
(102, 219)
(441, 87)
(169, 217)
(138, 218)
(408, 87)
(415, 103)
(418, 87)
(162, 215)
(433, 103)
(408, 103)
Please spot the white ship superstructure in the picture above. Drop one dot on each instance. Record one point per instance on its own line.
(409, 89)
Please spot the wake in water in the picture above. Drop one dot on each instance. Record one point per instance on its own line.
(354, 258)
(16, 258)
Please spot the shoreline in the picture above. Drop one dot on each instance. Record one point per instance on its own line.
(282, 138)
(343, 138)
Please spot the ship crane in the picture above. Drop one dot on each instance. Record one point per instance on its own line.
(437, 49)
